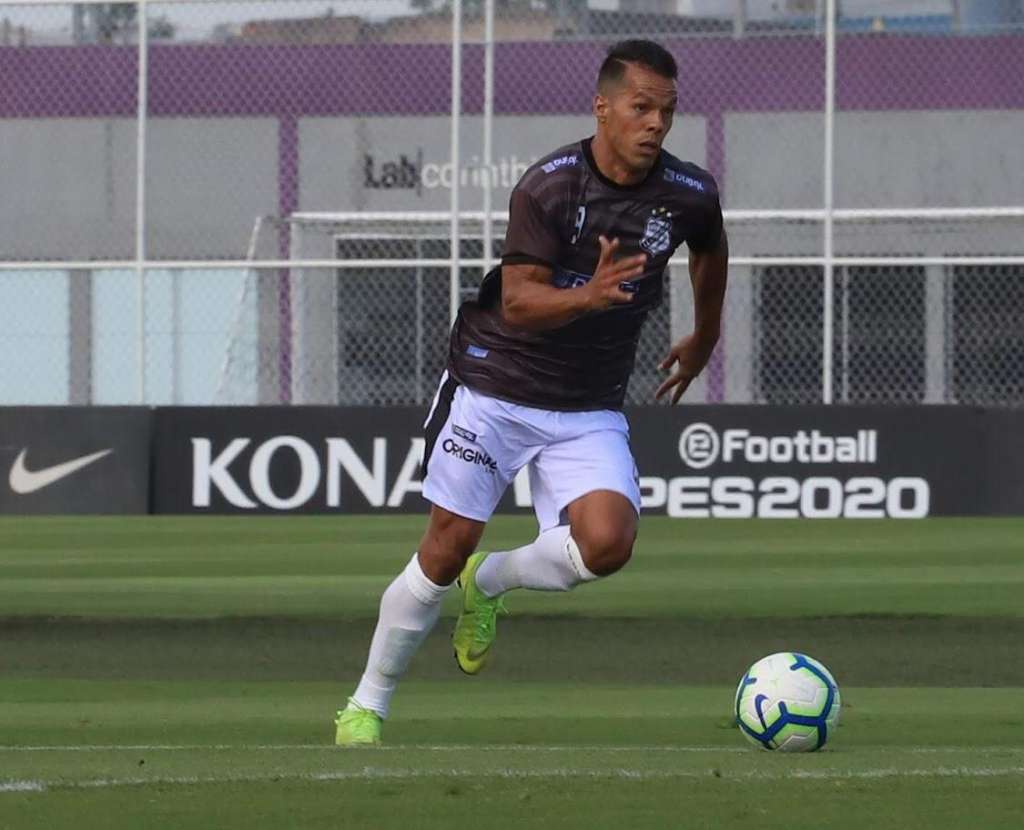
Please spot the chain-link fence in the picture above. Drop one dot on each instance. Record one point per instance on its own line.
(259, 210)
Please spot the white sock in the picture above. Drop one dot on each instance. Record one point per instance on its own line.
(408, 611)
(552, 562)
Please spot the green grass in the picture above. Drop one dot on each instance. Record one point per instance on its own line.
(183, 672)
(337, 567)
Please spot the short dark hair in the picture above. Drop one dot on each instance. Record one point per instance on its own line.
(647, 53)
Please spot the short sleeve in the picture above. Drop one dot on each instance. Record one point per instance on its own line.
(707, 230)
(531, 235)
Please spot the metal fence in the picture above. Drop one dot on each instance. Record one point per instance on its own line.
(226, 202)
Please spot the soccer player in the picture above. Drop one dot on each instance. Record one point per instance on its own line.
(537, 372)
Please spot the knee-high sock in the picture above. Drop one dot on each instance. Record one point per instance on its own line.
(408, 611)
(552, 562)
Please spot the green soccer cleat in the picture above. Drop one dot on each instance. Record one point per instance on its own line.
(477, 624)
(357, 726)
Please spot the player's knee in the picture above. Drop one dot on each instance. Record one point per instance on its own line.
(447, 544)
(605, 548)
(442, 558)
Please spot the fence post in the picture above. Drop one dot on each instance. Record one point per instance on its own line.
(829, 247)
(453, 287)
(488, 137)
(140, 190)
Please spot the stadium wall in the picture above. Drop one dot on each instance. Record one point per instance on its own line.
(237, 131)
(708, 461)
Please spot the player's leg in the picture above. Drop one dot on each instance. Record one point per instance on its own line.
(464, 483)
(409, 610)
(411, 604)
(603, 525)
(597, 541)
(587, 498)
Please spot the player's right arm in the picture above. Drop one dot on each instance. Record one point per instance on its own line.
(529, 300)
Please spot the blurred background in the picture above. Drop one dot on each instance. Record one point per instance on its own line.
(256, 202)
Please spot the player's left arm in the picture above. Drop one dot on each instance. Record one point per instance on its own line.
(708, 273)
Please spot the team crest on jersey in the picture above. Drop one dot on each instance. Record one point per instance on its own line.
(657, 236)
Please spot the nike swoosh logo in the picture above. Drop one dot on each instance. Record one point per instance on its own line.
(758, 705)
(24, 481)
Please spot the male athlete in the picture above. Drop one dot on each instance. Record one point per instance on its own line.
(537, 374)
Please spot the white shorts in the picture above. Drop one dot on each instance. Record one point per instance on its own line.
(476, 444)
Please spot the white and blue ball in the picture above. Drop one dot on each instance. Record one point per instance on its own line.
(788, 702)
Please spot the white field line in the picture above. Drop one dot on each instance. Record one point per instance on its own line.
(382, 748)
(378, 774)
(22, 786)
(526, 748)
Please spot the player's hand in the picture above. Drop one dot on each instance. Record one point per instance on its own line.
(605, 288)
(690, 355)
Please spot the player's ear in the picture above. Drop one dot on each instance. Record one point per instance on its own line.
(600, 107)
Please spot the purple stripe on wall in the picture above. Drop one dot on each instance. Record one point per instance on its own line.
(714, 139)
(62, 81)
(287, 203)
(930, 73)
(306, 80)
(714, 144)
(755, 74)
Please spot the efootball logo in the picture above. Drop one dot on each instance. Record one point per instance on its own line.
(700, 446)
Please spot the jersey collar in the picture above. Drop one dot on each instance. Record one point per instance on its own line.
(588, 155)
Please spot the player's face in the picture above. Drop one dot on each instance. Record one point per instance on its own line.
(638, 115)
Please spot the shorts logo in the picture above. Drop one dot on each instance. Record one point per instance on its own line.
(676, 177)
(657, 236)
(476, 351)
(554, 164)
(470, 455)
(462, 432)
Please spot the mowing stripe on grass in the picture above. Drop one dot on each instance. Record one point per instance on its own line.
(372, 773)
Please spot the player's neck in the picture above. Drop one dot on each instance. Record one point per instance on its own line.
(612, 166)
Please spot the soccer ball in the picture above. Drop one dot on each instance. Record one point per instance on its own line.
(789, 702)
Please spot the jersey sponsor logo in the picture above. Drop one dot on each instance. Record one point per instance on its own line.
(462, 432)
(657, 236)
(476, 351)
(563, 278)
(470, 455)
(564, 161)
(676, 177)
(581, 218)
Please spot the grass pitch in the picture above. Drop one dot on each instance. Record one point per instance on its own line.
(184, 673)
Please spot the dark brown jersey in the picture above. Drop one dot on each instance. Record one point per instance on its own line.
(557, 211)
